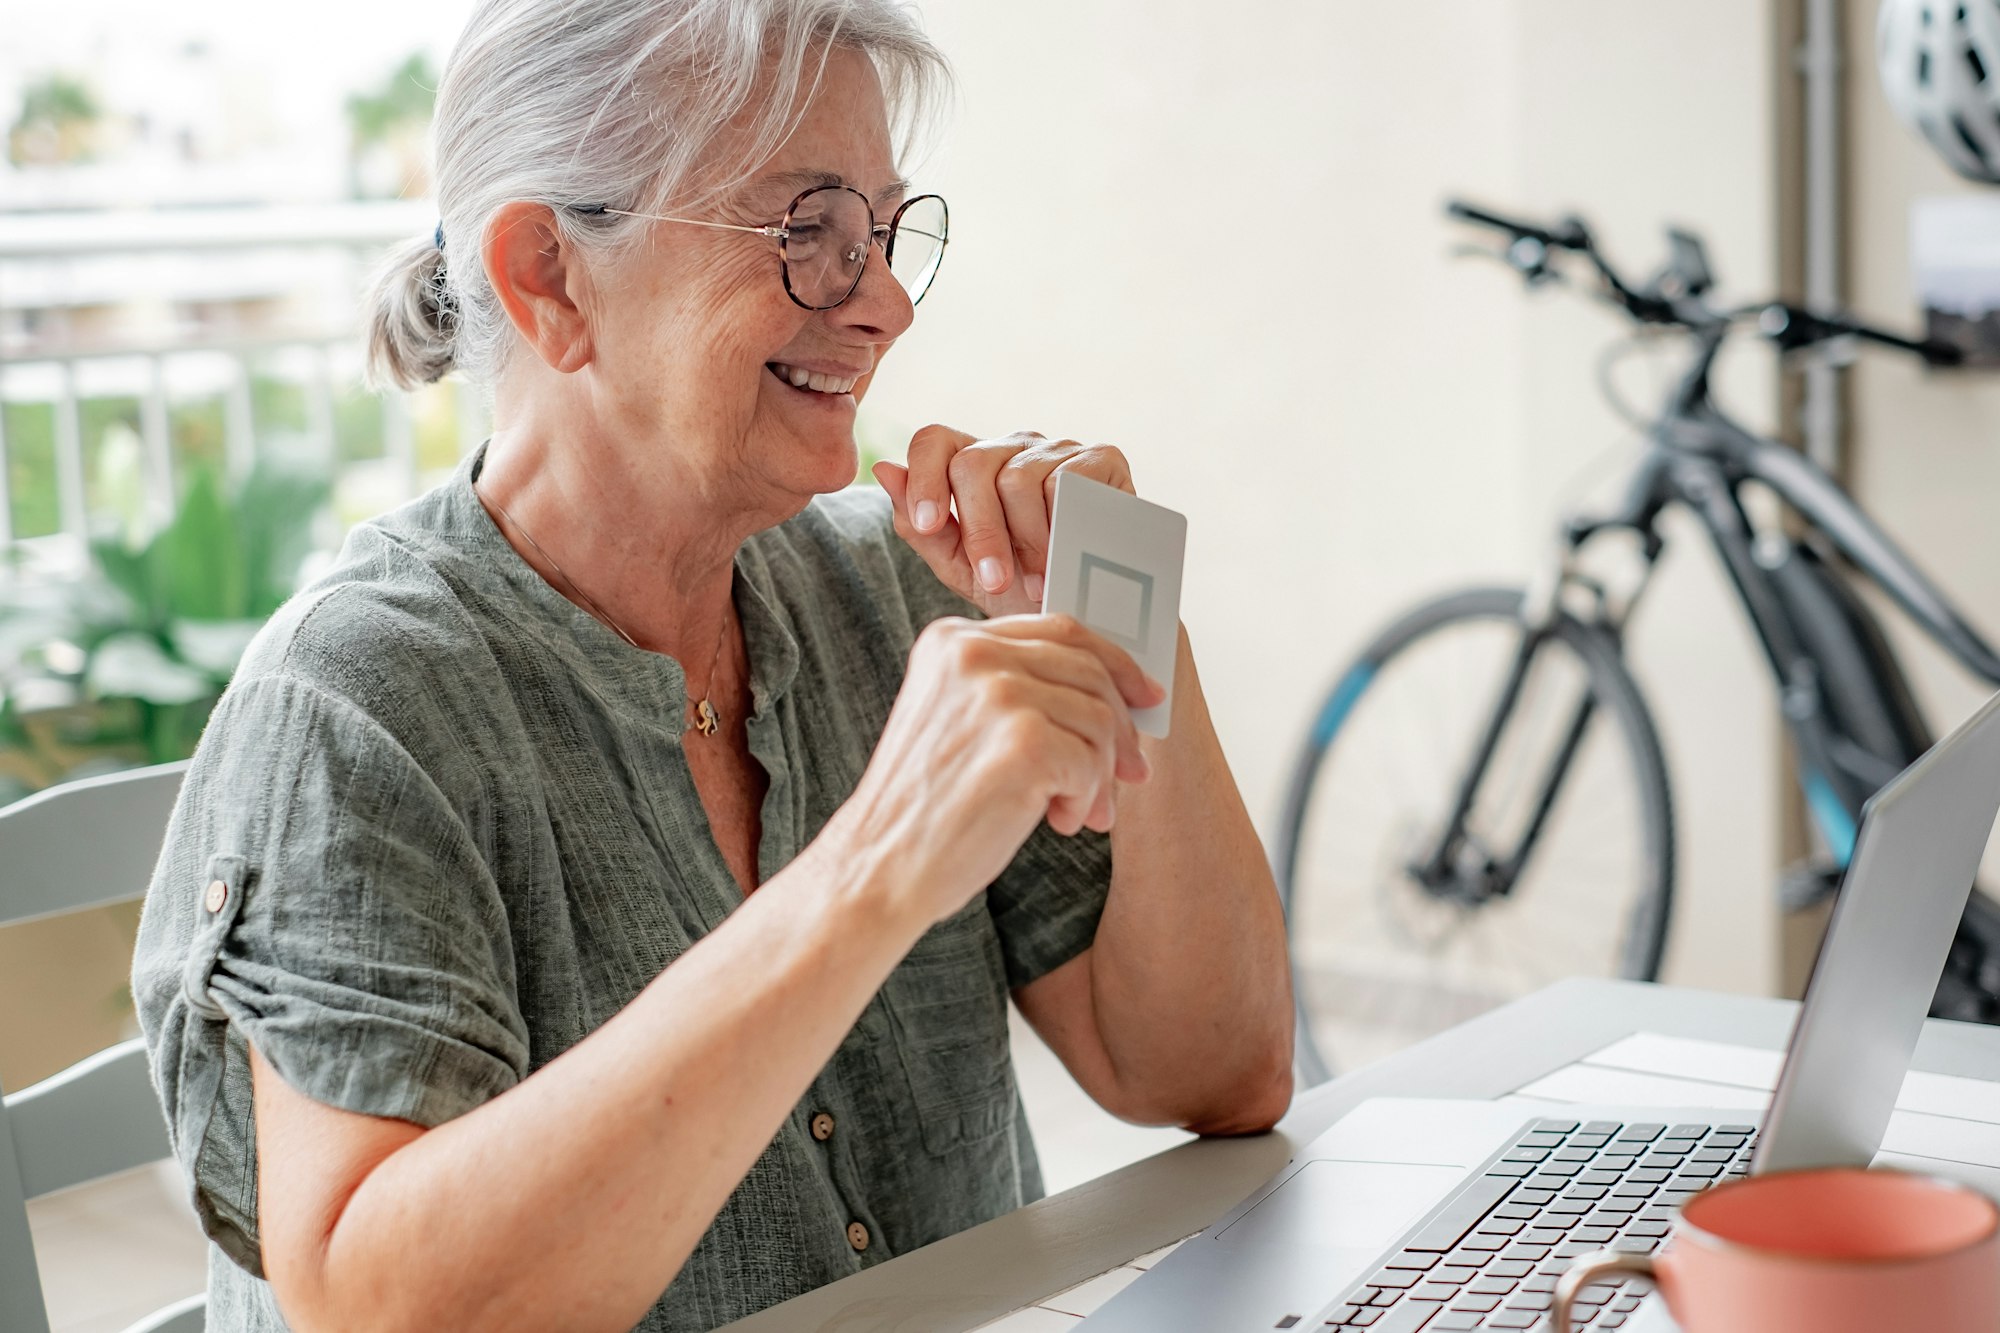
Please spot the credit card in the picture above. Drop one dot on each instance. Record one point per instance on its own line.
(1115, 564)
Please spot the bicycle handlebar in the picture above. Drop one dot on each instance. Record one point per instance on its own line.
(1791, 327)
(1646, 305)
(1573, 236)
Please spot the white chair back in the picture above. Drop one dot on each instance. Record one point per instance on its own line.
(81, 845)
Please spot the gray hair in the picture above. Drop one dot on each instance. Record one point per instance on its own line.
(570, 102)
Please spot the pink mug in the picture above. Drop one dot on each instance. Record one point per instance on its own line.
(1841, 1250)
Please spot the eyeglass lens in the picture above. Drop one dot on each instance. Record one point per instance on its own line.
(828, 232)
(916, 243)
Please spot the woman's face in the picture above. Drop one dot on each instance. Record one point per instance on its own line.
(688, 331)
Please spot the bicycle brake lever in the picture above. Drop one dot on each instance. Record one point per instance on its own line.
(1573, 232)
(1535, 269)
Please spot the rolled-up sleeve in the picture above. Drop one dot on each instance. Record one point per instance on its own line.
(321, 899)
(1046, 904)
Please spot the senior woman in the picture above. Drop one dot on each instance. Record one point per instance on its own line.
(596, 900)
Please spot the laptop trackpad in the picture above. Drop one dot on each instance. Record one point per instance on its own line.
(1332, 1219)
(1331, 1205)
(1297, 1249)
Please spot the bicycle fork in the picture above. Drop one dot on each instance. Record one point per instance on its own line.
(1457, 868)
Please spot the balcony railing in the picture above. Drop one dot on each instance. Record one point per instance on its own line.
(192, 337)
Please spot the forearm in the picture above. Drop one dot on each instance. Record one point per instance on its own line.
(572, 1200)
(1190, 983)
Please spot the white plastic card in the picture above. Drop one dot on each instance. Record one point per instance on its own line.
(1115, 564)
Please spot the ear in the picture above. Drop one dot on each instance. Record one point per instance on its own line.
(540, 282)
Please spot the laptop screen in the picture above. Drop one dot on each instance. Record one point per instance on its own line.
(1922, 837)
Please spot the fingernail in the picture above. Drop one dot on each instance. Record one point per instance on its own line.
(927, 515)
(1033, 584)
(991, 575)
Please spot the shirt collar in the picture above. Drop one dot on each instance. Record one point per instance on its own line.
(769, 639)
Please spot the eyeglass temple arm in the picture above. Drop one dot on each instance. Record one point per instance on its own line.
(776, 233)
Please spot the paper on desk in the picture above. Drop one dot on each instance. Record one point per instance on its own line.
(1682, 1057)
(1622, 1087)
(1939, 1116)
(1745, 1066)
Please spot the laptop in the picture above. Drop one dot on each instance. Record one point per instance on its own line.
(1425, 1216)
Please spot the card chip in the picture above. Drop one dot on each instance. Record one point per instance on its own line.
(1116, 601)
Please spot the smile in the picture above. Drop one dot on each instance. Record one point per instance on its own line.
(800, 378)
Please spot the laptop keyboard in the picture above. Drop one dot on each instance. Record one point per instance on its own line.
(1490, 1256)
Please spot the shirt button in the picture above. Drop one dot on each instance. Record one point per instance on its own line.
(822, 1126)
(217, 895)
(857, 1236)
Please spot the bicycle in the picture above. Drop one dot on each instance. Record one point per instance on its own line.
(1455, 892)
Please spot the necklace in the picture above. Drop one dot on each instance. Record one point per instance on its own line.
(706, 720)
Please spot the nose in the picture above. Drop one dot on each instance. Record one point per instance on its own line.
(878, 309)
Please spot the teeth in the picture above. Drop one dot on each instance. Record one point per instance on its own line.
(806, 379)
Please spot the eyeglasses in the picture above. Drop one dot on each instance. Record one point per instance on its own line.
(823, 241)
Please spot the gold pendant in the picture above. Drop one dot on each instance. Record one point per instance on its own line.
(705, 720)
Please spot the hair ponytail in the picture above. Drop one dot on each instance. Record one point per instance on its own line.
(412, 323)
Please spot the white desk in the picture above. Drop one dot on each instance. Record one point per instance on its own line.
(1008, 1267)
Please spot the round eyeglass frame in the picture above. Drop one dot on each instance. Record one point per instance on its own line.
(780, 231)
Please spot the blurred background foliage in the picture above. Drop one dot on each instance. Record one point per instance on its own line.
(388, 129)
(120, 664)
(183, 434)
(57, 122)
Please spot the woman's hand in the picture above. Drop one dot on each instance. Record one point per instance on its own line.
(994, 551)
(999, 724)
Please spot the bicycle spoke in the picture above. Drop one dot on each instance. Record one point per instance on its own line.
(1381, 958)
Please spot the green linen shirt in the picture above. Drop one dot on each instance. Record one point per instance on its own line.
(440, 827)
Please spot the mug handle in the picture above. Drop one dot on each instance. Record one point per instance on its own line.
(1591, 1268)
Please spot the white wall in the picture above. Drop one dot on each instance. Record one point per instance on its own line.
(1212, 235)
(1640, 115)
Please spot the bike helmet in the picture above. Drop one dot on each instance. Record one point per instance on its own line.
(1940, 63)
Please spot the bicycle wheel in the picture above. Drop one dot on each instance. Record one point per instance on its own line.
(1385, 949)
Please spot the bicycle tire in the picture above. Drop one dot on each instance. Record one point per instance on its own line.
(1616, 695)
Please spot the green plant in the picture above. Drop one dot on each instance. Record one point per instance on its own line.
(387, 127)
(121, 664)
(31, 467)
(195, 429)
(357, 425)
(57, 122)
(403, 99)
(195, 435)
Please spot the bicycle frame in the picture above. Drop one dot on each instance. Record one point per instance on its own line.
(1702, 460)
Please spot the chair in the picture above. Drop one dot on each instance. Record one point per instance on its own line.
(81, 845)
